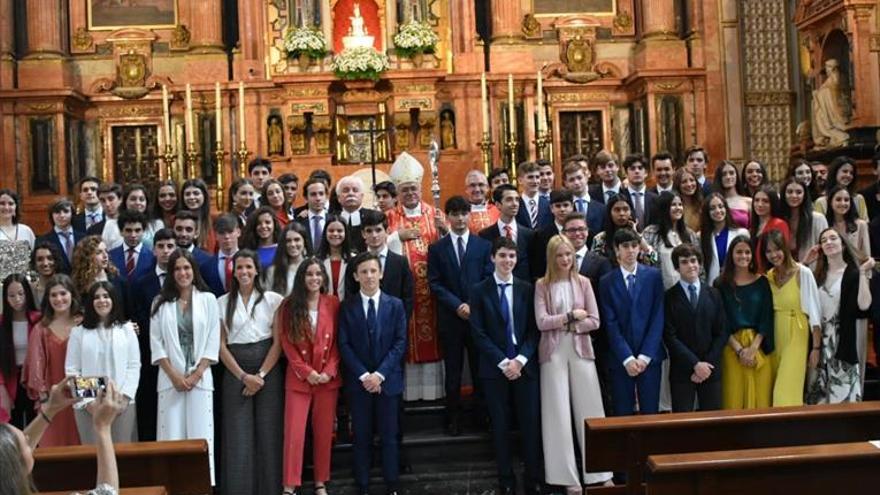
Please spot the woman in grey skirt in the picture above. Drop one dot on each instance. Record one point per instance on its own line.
(253, 387)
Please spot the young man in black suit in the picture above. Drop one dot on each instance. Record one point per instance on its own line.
(217, 271)
(636, 167)
(503, 325)
(62, 234)
(506, 198)
(186, 231)
(575, 177)
(560, 205)
(534, 209)
(695, 334)
(316, 211)
(697, 161)
(663, 168)
(110, 195)
(92, 212)
(456, 263)
(608, 170)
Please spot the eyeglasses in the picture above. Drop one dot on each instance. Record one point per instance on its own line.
(575, 230)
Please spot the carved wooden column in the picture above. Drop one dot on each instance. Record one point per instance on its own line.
(464, 38)
(660, 46)
(658, 19)
(507, 51)
(207, 29)
(864, 60)
(45, 25)
(507, 17)
(251, 35)
(7, 44)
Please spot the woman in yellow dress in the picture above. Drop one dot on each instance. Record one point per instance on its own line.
(746, 374)
(796, 306)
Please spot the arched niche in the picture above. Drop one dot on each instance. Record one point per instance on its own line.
(836, 46)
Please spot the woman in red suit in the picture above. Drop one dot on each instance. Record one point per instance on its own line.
(307, 321)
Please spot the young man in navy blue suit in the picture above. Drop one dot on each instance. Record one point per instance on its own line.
(696, 162)
(186, 231)
(132, 254)
(632, 307)
(63, 235)
(143, 291)
(576, 175)
(456, 263)
(92, 212)
(506, 198)
(504, 330)
(372, 342)
(534, 209)
(217, 271)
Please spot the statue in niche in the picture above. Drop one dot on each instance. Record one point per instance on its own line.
(275, 136)
(411, 10)
(447, 130)
(306, 13)
(831, 110)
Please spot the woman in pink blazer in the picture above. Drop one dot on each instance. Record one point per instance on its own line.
(566, 312)
(307, 322)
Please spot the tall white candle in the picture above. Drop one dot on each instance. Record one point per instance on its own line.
(511, 116)
(190, 134)
(218, 109)
(241, 130)
(166, 118)
(539, 102)
(484, 101)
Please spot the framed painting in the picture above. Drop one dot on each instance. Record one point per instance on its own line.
(568, 7)
(115, 14)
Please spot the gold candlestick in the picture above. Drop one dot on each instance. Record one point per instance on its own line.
(486, 148)
(542, 144)
(192, 158)
(511, 152)
(242, 155)
(220, 156)
(169, 157)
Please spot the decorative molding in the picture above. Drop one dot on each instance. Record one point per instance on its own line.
(180, 37)
(668, 85)
(531, 27)
(295, 92)
(129, 111)
(769, 98)
(82, 40)
(41, 107)
(874, 43)
(422, 103)
(623, 21)
(316, 107)
(416, 88)
(579, 97)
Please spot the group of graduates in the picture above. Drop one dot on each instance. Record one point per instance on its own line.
(605, 297)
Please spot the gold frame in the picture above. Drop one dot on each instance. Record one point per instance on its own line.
(562, 14)
(91, 27)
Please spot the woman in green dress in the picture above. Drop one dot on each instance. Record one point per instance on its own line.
(797, 315)
(746, 374)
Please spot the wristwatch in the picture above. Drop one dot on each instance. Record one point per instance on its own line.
(261, 374)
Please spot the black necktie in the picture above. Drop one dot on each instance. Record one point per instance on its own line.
(371, 323)
(460, 251)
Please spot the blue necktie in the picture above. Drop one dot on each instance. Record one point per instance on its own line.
(631, 285)
(509, 348)
(371, 324)
(316, 233)
(580, 205)
(460, 251)
(692, 294)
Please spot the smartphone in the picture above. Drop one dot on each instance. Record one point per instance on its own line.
(87, 387)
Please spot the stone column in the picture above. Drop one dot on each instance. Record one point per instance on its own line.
(658, 19)
(206, 19)
(45, 25)
(507, 18)
(251, 36)
(7, 44)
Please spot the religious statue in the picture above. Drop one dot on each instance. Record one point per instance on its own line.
(275, 136)
(831, 110)
(357, 34)
(447, 130)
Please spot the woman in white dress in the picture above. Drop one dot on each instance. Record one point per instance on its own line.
(717, 231)
(566, 311)
(280, 275)
(105, 344)
(184, 343)
(16, 239)
(844, 296)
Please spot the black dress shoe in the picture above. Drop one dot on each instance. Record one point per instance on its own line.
(506, 490)
(453, 428)
(534, 490)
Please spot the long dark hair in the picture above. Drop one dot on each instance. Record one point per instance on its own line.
(833, 169)
(250, 239)
(805, 212)
(345, 248)
(204, 211)
(610, 227)
(16, 216)
(851, 214)
(281, 262)
(726, 277)
(91, 320)
(67, 283)
(149, 213)
(7, 346)
(53, 249)
(233, 190)
(774, 238)
(297, 302)
(764, 178)
(718, 182)
(707, 226)
(775, 209)
(848, 252)
(285, 205)
(169, 291)
(232, 296)
(662, 207)
(158, 212)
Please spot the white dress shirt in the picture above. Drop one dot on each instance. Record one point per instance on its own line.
(464, 239)
(508, 294)
(503, 230)
(352, 219)
(251, 322)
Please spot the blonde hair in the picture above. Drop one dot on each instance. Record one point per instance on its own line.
(553, 273)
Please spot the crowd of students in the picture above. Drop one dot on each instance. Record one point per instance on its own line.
(596, 298)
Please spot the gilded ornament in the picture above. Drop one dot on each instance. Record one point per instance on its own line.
(180, 37)
(82, 40)
(623, 21)
(579, 54)
(425, 103)
(668, 86)
(41, 107)
(531, 27)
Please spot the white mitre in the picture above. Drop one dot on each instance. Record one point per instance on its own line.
(406, 169)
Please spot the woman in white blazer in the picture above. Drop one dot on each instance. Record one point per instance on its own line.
(717, 230)
(105, 344)
(185, 342)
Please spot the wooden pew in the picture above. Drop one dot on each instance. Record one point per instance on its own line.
(830, 468)
(141, 490)
(623, 444)
(180, 466)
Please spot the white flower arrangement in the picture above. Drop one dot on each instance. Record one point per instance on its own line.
(305, 40)
(360, 63)
(415, 37)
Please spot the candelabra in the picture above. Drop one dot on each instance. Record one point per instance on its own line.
(242, 155)
(486, 148)
(542, 144)
(511, 152)
(220, 156)
(169, 157)
(192, 159)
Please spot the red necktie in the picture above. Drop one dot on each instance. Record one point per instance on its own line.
(228, 272)
(508, 232)
(129, 263)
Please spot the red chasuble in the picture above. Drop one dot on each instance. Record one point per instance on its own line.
(482, 218)
(422, 340)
